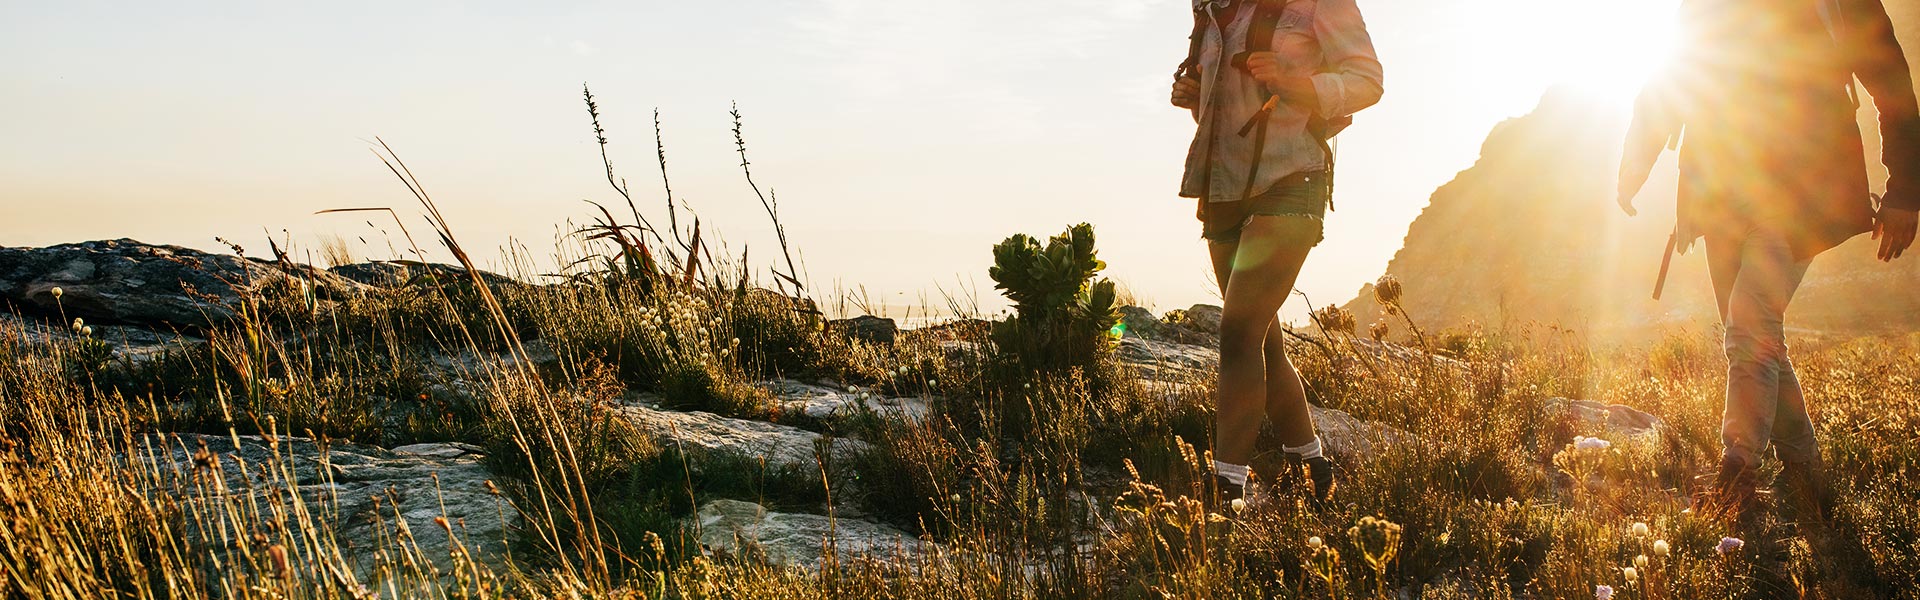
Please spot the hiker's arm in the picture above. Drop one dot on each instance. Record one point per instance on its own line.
(1352, 74)
(1877, 60)
(1656, 126)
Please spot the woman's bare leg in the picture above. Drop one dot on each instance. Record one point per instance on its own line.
(1255, 376)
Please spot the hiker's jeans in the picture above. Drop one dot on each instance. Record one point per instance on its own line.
(1764, 401)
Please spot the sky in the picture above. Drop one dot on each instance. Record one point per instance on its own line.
(902, 138)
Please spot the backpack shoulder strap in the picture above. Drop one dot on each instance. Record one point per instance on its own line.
(1266, 19)
(1193, 43)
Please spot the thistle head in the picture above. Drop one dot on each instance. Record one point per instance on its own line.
(1387, 291)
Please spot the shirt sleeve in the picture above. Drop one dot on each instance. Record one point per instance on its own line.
(1876, 58)
(1351, 79)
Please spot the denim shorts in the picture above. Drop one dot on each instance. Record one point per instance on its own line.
(1302, 195)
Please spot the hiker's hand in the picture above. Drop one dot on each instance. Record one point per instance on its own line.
(1894, 228)
(1627, 192)
(1186, 92)
(1266, 67)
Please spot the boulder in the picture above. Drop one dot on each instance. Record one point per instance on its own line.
(822, 402)
(781, 446)
(128, 282)
(878, 330)
(1139, 322)
(363, 493)
(1202, 318)
(747, 530)
(1160, 359)
(1591, 418)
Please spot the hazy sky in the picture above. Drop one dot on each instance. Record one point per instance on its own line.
(904, 138)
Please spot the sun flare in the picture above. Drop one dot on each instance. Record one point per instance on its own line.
(1606, 49)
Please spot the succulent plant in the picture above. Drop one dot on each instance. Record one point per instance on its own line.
(1061, 312)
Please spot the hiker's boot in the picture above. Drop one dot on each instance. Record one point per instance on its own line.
(1805, 487)
(1319, 471)
(1733, 493)
(1224, 491)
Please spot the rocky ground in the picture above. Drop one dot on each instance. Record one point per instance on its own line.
(143, 298)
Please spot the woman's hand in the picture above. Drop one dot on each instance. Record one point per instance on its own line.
(1267, 67)
(1186, 92)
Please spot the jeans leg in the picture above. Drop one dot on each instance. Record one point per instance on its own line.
(1792, 427)
(1756, 344)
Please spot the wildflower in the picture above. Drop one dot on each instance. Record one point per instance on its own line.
(87, 331)
(1591, 443)
(57, 292)
(1660, 547)
(78, 323)
(1602, 592)
(1239, 505)
(1631, 574)
(1728, 544)
(1640, 530)
(1315, 542)
(1640, 561)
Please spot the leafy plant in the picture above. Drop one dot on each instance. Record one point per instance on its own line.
(1062, 314)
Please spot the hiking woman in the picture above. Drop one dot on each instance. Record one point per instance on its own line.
(1269, 81)
(1771, 175)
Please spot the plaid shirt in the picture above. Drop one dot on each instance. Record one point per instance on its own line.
(1323, 39)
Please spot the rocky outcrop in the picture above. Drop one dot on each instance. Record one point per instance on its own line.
(162, 287)
(822, 402)
(362, 493)
(782, 447)
(747, 530)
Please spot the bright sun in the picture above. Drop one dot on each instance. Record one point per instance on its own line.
(1607, 48)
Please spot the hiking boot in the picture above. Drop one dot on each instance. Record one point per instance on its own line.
(1320, 472)
(1223, 492)
(1315, 474)
(1733, 493)
(1805, 485)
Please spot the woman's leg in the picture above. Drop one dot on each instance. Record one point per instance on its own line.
(1262, 271)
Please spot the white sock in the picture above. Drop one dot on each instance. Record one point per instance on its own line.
(1306, 451)
(1234, 473)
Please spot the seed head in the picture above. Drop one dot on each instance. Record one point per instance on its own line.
(57, 292)
(1640, 561)
(1631, 574)
(1387, 291)
(1661, 548)
(1640, 529)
